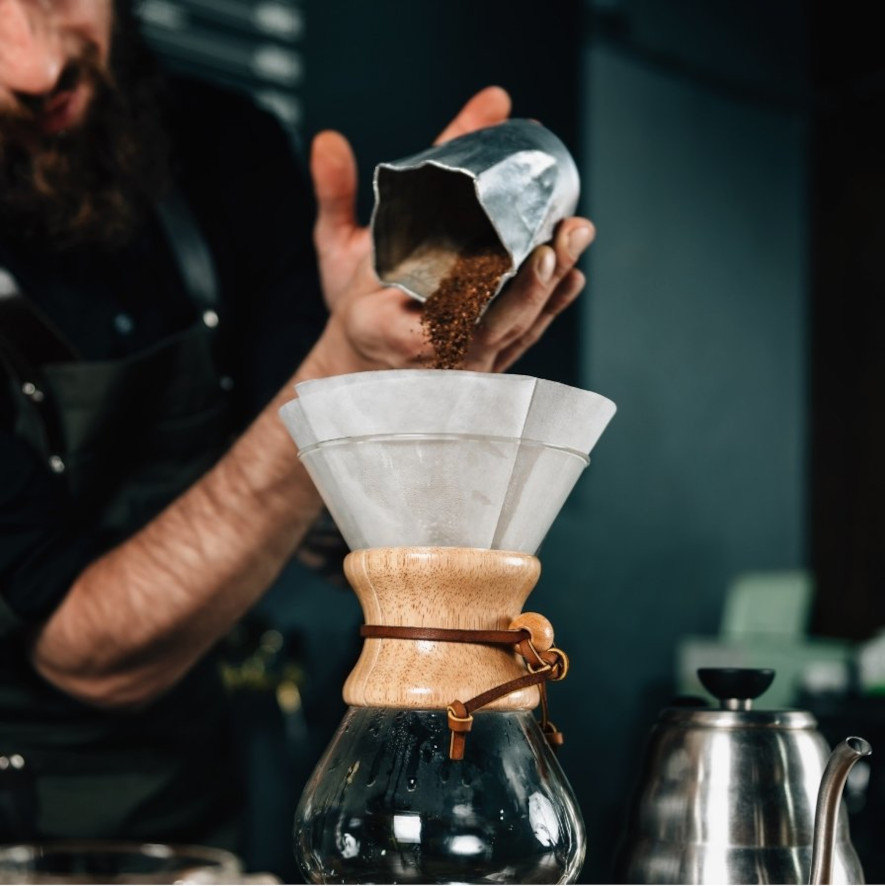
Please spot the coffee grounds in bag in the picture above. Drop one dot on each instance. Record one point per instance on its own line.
(450, 313)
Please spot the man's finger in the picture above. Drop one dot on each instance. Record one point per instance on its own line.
(513, 313)
(488, 107)
(573, 236)
(519, 337)
(566, 293)
(334, 172)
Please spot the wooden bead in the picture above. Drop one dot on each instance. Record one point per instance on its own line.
(540, 629)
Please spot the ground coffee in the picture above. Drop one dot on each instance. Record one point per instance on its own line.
(450, 313)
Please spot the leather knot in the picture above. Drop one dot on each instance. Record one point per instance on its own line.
(558, 662)
(530, 634)
(460, 723)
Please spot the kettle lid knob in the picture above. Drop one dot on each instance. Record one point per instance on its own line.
(736, 687)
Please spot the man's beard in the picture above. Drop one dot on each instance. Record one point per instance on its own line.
(91, 185)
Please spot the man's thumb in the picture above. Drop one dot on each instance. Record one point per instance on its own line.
(334, 173)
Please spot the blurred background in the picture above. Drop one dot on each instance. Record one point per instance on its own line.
(732, 159)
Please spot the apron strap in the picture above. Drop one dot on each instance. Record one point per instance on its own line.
(27, 329)
(192, 254)
(28, 340)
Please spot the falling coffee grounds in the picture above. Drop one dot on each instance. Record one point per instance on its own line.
(450, 313)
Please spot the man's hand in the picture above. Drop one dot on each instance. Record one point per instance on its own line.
(374, 327)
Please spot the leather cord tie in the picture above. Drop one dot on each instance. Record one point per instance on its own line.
(532, 636)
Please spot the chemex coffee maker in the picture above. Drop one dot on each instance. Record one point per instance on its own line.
(444, 483)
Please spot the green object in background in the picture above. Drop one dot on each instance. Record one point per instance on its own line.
(764, 623)
(768, 604)
(871, 665)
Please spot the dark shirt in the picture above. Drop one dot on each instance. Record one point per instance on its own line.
(250, 197)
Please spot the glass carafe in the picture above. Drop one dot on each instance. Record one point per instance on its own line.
(387, 804)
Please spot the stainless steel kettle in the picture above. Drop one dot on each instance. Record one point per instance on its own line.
(738, 795)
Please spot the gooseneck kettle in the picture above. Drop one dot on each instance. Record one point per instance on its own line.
(735, 794)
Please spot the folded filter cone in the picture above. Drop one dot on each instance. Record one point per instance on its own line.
(444, 457)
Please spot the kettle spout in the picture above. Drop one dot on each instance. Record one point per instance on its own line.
(844, 756)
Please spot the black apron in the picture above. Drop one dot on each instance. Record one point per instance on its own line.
(126, 437)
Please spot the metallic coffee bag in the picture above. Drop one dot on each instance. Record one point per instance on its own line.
(503, 188)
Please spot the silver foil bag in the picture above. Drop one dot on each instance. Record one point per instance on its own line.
(501, 189)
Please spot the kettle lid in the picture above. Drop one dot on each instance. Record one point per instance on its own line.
(736, 689)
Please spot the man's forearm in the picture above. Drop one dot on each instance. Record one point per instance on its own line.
(138, 618)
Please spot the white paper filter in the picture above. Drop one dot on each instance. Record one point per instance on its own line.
(444, 457)
(416, 401)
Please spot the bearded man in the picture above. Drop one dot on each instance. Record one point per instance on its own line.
(159, 296)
